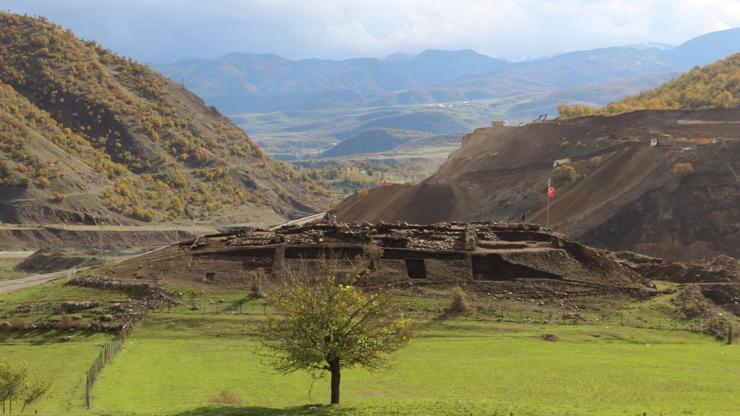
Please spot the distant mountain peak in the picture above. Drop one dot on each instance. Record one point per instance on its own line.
(650, 45)
(397, 57)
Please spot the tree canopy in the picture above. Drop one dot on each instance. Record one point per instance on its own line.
(322, 325)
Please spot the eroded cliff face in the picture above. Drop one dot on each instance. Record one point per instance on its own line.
(614, 189)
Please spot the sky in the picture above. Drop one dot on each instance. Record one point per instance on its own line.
(163, 31)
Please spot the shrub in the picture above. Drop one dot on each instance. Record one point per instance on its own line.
(683, 169)
(460, 302)
(143, 214)
(564, 173)
(595, 161)
(226, 396)
(255, 287)
(43, 182)
(66, 322)
(362, 193)
(58, 197)
(16, 323)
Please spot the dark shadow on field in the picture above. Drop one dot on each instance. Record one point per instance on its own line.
(308, 410)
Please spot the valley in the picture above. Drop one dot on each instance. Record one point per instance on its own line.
(445, 233)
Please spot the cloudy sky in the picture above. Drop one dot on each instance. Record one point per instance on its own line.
(159, 31)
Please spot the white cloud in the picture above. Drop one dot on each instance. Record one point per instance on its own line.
(164, 30)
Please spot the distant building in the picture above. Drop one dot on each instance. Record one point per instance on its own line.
(500, 123)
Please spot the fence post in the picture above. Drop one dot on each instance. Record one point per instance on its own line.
(729, 334)
(106, 355)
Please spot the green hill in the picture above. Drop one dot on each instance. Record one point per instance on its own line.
(714, 86)
(89, 136)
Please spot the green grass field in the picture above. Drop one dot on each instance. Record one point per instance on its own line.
(62, 363)
(209, 362)
(181, 362)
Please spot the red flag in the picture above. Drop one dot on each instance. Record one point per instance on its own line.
(550, 190)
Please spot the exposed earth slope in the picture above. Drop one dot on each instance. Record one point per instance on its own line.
(91, 137)
(678, 200)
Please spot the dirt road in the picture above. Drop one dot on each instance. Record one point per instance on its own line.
(34, 280)
(39, 279)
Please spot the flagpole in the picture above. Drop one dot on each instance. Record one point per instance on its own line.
(547, 221)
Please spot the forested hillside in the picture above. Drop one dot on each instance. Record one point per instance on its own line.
(87, 135)
(714, 86)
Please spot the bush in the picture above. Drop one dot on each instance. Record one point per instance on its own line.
(255, 286)
(460, 302)
(143, 214)
(564, 173)
(66, 322)
(43, 182)
(226, 396)
(17, 323)
(683, 169)
(58, 197)
(595, 161)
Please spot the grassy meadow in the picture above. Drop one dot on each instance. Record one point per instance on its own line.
(210, 362)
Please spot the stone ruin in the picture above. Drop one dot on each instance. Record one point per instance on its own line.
(400, 254)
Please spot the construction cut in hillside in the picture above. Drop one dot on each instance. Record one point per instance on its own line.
(660, 182)
(494, 257)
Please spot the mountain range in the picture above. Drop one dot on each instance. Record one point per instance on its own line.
(244, 82)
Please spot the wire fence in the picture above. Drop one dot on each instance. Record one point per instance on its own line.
(106, 355)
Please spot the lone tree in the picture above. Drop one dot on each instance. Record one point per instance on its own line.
(323, 326)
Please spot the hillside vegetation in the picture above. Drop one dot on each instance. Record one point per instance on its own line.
(78, 121)
(714, 86)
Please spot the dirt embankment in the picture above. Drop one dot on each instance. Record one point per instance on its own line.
(616, 191)
(101, 238)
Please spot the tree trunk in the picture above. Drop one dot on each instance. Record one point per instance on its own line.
(334, 369)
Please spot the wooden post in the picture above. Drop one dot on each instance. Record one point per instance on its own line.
(547, 220)
(729, 334)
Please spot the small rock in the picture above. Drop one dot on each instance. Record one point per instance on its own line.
(66, 338)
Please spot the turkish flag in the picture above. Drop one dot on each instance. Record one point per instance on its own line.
(551, 192)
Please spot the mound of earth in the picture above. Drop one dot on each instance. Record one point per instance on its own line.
(114, 238)
(489, 257)
(679, 199)
(92, 137)
(48, 261)
(721, 269)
